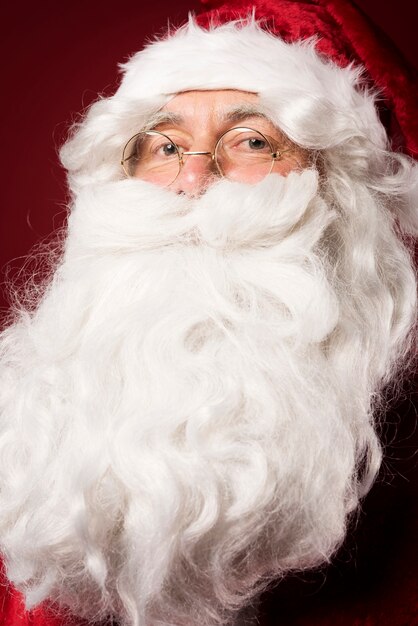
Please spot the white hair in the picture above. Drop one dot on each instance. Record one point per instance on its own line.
(188, 412)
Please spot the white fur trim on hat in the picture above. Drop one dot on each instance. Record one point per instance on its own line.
(316, 103)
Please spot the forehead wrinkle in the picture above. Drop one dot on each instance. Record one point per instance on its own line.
(225, 115)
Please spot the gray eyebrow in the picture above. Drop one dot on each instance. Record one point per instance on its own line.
(232, 115)
(240, 112)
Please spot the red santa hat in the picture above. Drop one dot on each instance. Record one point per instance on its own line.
(346, 36)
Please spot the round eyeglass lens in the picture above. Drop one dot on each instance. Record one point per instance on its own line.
(244, 155)
(151, 156)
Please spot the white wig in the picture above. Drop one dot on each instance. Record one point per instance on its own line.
(189, 411)
(316, 103)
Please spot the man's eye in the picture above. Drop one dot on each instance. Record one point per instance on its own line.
(168, 149)
(165, 150)
(252, 144)
(257, 144)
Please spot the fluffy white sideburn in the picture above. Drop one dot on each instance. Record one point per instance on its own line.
(187, 414)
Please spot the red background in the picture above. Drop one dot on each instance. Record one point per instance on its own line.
(56, 57)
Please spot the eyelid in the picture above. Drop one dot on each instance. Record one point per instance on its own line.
(179, 140)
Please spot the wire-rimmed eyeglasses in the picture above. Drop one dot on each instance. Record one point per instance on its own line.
(241, 154)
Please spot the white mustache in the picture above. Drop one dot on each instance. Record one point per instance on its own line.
(133, 215)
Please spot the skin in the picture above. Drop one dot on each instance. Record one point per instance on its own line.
(204, 117)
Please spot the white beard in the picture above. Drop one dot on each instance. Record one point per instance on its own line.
(174, 432)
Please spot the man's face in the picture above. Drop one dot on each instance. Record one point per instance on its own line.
(197, 119)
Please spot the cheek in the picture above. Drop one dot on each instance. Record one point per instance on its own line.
(152, 177)
(250, 176)
(162, 176)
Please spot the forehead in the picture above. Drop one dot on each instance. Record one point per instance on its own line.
(211, 98)
(215, 105)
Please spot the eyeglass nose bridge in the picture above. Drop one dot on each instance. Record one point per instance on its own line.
(195, 152)
(276, 156)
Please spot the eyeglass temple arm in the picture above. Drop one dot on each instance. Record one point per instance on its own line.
(277, 155)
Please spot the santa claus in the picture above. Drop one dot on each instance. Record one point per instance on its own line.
(187, 413)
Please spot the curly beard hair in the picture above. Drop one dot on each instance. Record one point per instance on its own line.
(187, 414)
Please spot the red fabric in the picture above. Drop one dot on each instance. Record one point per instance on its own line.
(398, 608)
(12, 610)
(345, 35)
(372, 582)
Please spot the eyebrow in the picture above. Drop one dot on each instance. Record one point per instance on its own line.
(232, 115)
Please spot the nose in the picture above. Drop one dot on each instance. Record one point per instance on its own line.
(196, 174)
